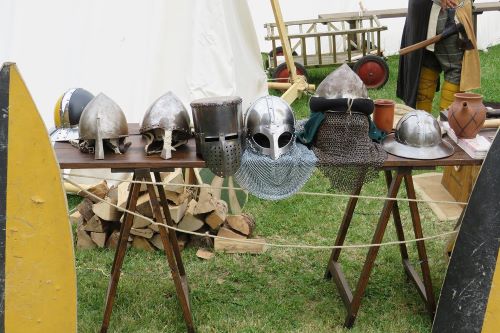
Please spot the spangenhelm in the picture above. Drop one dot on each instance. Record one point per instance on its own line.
(103, 122)
(67, 112)
(342, 83)
(165, 126)
(270, 126)
(218, 126)
(418, 136)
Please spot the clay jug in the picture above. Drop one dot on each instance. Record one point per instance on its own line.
(466, 115)
(383, 116)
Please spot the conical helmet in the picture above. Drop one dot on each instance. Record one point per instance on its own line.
(165, 125)
(102, 119)
(270, 126)
(342, 83)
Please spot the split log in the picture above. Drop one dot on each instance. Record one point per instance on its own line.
(99, 238)
(106, 211)
(228, 233)
(154, 227)
(144, 206)
(95, 224)
(123, 192)
(178, 212)
(142, 244)
(100, 190)
(156, 241)
(174, 177)
(140, 222)
(83, 240)
(190, 222)
(113, 240)
(177, 198)
(112, 195)
(76, 218)
(218, 216)
(85, 208)
(205, 254)
(144, 232)
(206, 201)
(233, 246)
(244, 224)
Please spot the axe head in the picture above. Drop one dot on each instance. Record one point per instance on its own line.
(455, 29)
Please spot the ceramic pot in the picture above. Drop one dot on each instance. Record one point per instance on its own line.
(383, 116)
(466, 115)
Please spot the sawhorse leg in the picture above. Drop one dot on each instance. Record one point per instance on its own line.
(170, 244)
(352, 301)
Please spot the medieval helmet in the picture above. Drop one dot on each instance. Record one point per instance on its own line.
(103, 121)
(418, 136)
(270, 126)
(342, 83)
(165, 125)
(219, 133)
(67, 112)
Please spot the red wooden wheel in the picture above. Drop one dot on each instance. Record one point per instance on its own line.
(281, 73)
(372, 70)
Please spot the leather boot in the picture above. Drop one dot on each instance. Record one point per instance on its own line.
(448, 91)
(426, 89)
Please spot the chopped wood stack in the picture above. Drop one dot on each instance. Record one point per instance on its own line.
(98, 223)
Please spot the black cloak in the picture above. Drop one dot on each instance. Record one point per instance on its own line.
(415, 31)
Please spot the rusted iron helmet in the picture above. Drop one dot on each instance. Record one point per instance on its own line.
(165, 125)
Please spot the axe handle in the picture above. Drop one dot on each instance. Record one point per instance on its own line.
(420, 45)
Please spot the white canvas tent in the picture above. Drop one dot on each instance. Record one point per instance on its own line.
(133, 51)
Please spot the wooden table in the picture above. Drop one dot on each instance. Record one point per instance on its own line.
(396, 171)
(135, 160)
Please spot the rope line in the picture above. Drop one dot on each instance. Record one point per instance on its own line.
(249, 241)
(319, 194)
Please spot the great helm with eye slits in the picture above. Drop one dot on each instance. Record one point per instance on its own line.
(270, 126)
(418, 136)
(67, 113)
(218, 126)
(165, 125)
(103, 122)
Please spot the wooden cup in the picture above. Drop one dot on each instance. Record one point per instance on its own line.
(383, 116)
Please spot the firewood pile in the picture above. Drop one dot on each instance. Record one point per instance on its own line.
(191, 208)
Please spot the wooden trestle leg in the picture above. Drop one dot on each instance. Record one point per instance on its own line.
(170, 244)
(352, 301)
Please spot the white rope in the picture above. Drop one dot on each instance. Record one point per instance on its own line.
(249, 241)
(335, 195)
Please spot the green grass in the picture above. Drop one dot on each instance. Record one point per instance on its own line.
(281, 290)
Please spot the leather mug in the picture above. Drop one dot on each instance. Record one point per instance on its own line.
(383, 116)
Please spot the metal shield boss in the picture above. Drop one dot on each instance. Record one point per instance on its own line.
(342, 83)
(219, 133)
(165, 126)
(418, 136)
(103, 122)
(270, 126)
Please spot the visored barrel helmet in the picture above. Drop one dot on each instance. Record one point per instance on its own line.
(165, 125)
(270, 126)
(103, 123)
(67, 113)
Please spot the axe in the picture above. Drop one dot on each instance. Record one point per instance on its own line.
(450, 29)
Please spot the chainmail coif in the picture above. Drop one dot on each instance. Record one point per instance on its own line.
(275, 179)
(346, 154)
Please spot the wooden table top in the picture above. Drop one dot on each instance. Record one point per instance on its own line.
(70, 157)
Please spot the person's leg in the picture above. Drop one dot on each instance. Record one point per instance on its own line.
(427, 88)
(450, 57)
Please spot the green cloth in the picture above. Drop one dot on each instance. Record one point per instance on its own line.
(311, 127)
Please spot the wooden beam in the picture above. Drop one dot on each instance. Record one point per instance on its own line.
(285, 43)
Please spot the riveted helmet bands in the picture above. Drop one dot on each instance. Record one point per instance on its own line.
(103, 123)
(418, 136)
(67, 113)
(165, 126)
(270, 126)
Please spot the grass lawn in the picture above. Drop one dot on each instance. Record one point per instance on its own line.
(281, 290)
